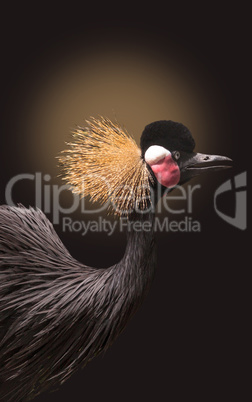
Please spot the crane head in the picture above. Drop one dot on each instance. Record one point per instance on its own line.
(168, 149)
(104, 162)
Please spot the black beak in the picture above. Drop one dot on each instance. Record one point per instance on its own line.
(195, 163)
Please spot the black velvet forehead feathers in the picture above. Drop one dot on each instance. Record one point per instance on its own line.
(168, 134)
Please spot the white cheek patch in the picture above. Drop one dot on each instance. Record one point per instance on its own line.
(155, 153)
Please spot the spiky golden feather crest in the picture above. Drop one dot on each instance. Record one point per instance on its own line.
(104, 162)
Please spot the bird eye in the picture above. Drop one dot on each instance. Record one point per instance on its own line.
(176, 155)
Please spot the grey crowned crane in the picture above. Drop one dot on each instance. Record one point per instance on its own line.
(56, 313)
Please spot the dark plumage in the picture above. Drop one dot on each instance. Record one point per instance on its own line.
(168, 134)
(56, 314)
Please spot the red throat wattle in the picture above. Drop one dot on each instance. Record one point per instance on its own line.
(166, 171)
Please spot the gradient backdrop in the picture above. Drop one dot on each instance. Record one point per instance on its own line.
(55, 74)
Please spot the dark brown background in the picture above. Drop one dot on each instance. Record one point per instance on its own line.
(186, 65)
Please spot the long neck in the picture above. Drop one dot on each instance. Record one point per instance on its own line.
(136, 269)
(123, 287)
(140, 248)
